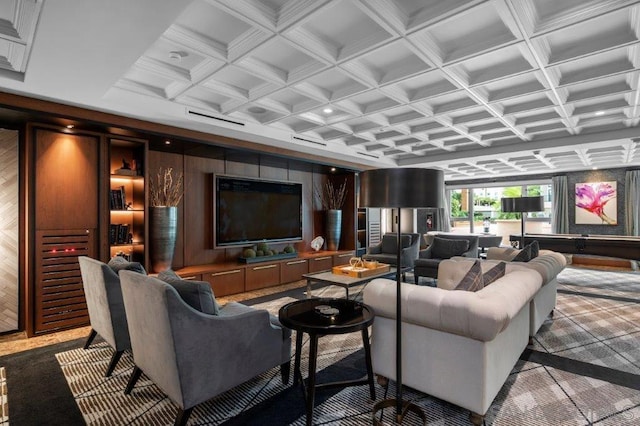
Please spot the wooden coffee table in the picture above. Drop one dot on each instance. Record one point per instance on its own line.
(345, 281)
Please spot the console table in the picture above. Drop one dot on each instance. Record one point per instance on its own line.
(603, 245)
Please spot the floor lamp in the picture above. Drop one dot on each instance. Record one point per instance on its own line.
(522, 205)
(400, 188)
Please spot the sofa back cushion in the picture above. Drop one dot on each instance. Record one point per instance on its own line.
(444, 248)
(197, 294)
(390, 242)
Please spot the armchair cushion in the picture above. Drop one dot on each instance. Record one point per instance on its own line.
(119, 263)
(390, 243)
(443, 248)
(197, 294)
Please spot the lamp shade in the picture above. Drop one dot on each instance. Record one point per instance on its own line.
(402, 187)
(522, 204)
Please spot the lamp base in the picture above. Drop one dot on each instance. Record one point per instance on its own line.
(407, 407)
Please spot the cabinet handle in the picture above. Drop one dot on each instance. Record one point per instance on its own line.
(192, 277)
(217, 274)
(257, 268)
(318, 259)
(297, 262)
(345, 255)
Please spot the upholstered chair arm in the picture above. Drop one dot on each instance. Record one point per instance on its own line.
(217, 353)
(472, 252)
(377, 249)
(425, 254)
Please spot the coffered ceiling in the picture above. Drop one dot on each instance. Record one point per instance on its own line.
(480, 89)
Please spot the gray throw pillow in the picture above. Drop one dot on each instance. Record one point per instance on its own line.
(444, 248)
(527, 253)
(119, 263)
(494, 273)
(197, 294)
(473, 280)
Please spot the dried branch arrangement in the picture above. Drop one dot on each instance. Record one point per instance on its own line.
(333, 198)
(164, 191)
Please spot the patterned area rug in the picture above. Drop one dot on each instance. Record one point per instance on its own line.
(583, 369)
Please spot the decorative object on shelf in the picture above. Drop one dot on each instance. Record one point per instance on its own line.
(317, 243)
(398, 188)
(522, 205)
(332, 201)
(165, 194)
(262, 253)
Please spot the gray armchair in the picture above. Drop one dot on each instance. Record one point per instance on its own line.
(443, 248)
(106, 309)
(193, 356)
(386, 251)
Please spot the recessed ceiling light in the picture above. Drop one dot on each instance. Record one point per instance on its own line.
(70, 126)
(167, 142)
(599, 112)
(327, 110)
(594, 168)
(177, 56)
(333, 169)
(256, 110)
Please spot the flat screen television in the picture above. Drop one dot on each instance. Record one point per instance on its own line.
(248, 211)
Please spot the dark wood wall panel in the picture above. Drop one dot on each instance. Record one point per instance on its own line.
(196, 234)
(66, 191)
(198, 207)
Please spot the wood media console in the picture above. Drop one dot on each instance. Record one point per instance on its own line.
(236, 277)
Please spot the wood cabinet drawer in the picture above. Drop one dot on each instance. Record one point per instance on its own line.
(292, 270)
(323, 263)
(342, 258)
(260, 276)
(225, 282)
(192, 277)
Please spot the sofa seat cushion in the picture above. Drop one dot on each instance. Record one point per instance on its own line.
(443, 248)
(197, 294)
(390, 259)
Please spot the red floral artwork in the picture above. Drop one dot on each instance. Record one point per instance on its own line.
(593, 198)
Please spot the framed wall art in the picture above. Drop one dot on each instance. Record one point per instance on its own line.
(596, 203)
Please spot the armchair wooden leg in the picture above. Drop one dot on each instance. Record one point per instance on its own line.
(114, 361)
(183, 416)
(382, 381)
(551, 313)
(132, 380)
(285, 369)
(92, 335)
(416, 278)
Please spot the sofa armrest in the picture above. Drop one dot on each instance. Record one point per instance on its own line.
(425, 254)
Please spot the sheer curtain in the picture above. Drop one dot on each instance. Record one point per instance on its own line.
(560, 211)
(446, 212)
(631, 200)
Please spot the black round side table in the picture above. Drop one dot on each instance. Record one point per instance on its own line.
(319, 317)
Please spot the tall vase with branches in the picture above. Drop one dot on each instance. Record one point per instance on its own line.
(165, 193)
(333, 198)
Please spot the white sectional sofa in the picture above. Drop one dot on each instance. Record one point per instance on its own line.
(548, 264)
(456, 345)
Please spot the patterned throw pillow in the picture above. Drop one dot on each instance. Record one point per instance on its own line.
(119, 263)
(529, 252)
(494, 273)
(197, 294)
(444, 248)
(473, 280)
